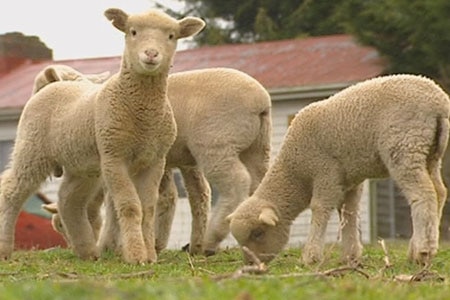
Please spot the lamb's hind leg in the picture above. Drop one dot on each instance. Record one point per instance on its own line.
(257, 163)
(349, 216)
(109, 237)
(74, 196)
(165, 210)
(418, 188)
(17, 184)
(232, 181)
(441, 191)
(94, 214)
(199, 194)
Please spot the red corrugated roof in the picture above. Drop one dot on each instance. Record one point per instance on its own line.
(277, 64)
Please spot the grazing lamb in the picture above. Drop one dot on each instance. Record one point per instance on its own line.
(117, 134)
(394, 125)
(204, 103)
(93, 213)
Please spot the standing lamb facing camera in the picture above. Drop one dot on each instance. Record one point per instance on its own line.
(118, 133)
(394, 126)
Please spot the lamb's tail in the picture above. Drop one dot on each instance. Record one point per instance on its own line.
(257, 157)
(441, 137)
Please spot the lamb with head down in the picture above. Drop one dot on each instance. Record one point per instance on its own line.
(394, 126)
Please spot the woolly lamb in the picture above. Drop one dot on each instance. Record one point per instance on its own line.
(394, 125)
(207, 103)
(120, 132)
(53, 73)
(224, 126)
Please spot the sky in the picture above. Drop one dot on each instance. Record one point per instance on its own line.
(76, 28)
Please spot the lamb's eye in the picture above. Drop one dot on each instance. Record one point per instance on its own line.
(133, 32)
(257, 234)
(171, 36)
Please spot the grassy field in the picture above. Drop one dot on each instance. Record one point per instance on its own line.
(58, 274)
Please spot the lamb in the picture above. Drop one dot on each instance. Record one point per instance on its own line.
(394, 125)
(207, 103)
(93, 213)
(224, 126)
(54, 73)
(58, 72)
(117, 134)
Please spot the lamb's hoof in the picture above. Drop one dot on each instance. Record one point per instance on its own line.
(87, 252)
(89, 256)
(152, 257)
(352, 261)
(5, 254)
(422, 255)
(159, 249)
(185, 248)
(160, 245)
(209, 252)
(311, 255)
(422, 258)
(353, 256)
(136, 256)
(197, 249)
(311, 260)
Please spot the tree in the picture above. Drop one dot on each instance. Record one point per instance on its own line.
(413, 35)
(237, 21)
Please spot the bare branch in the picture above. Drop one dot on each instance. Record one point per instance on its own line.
(387, 263)
(191, 264)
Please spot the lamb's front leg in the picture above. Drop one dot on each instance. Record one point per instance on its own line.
(147, 184)
(324, 201)
(128, 209)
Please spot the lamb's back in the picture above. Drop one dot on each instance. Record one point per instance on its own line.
(214, 102)
(347, 127)
(60, 117)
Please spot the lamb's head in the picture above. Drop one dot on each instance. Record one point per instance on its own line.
(256, 225)
(56, 220)
(151, 38)
(53, 73)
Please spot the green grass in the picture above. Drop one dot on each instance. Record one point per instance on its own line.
(58, 274)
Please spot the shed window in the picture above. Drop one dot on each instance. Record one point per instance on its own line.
(5, 152)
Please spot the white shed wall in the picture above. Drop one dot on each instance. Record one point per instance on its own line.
(182, 221)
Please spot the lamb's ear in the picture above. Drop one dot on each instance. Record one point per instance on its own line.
(268, 216)
(190, 26)
(51, 75)
(118, 17)
(51, 208)
(98, 78)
